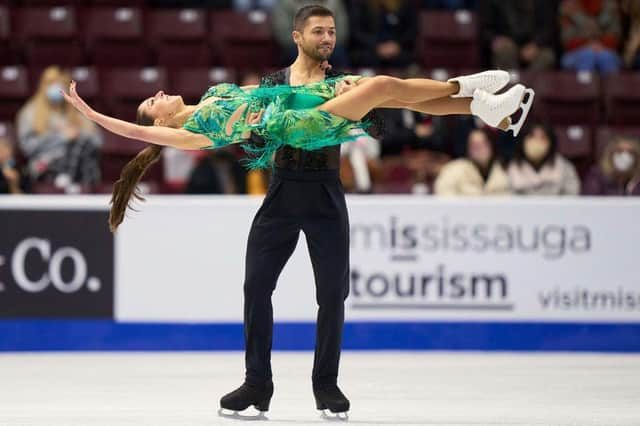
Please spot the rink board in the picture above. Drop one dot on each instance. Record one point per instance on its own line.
(426, 273)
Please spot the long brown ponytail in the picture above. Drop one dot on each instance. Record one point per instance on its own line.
(126, 188)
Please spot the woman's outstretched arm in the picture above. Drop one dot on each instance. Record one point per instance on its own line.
(177, 138)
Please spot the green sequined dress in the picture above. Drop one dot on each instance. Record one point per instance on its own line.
(290, 118)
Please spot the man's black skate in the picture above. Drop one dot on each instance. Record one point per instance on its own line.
(245, 396)
(329, 397)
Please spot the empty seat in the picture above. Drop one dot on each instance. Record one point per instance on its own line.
(622, 98)
(114, 37)
(574, 141)
(179, 37)
(49, 36)
(566, 97)
(14, 91)
(192, 83)
(242, 40)
(448, 39)
(124, 88)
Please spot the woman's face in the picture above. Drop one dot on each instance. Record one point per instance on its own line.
(479, 148)
(624, 157)
(161, 106)
(53, 84)
(536, 145)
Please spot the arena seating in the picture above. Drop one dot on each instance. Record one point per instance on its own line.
(448, 39)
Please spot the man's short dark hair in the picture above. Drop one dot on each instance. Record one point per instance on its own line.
(307, 12)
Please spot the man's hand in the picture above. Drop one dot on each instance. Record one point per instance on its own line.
(344, 86)
(252, 119)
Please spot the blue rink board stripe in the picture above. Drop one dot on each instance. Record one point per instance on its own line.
(106, 335)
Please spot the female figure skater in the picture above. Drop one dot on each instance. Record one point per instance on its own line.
(307, 117)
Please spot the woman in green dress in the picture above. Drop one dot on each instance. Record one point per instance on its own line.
(308, 117)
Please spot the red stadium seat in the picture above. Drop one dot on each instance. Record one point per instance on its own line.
(192, 83)
(48, 36)
(565, 97)
(117, 151)
(14, 91)
(125, 88)
(114, 37)
(574, 141)
(179, 37)
(448, 39)
(243, 40)
(8, 55)
(622, 98)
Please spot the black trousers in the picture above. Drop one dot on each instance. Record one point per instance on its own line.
(312, 202)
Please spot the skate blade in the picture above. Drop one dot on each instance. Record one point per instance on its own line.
(525, 106)
(230, 414)
(334, 417)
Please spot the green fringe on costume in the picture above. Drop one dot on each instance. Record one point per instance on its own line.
(289, 118)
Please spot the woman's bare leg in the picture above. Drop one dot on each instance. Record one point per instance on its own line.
(357, 102)
(441, 106)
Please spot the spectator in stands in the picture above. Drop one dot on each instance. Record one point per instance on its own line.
(619, 170)
(479, 173)
(519, 34)
(360, 164)
(408, 130)
(590, 32)
(631, 11)
(383, 32)
(218, 172)
(449, 4)
(11, 180)
(538, 169)
(59, 143)
(282, 16)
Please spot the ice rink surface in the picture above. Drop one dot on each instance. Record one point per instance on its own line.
(385, 388)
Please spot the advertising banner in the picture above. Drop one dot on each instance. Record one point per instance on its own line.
(411, 259)
(55, 264)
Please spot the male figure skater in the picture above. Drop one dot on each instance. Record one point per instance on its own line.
(305, 194)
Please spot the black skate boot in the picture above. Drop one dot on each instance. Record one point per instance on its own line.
(245, 396)
(329, 397)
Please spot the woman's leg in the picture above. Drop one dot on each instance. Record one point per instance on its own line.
(442, 106)
(357, 102)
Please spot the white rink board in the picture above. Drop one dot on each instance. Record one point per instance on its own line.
(503, 259)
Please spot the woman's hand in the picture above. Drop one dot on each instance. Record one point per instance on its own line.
(78, 103)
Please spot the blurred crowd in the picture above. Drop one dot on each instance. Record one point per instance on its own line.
(51, 148)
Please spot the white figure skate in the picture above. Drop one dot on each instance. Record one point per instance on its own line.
(492, 109)
(490, 81)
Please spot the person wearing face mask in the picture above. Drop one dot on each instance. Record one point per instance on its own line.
(61, 145)
(538, 169)
(619, 170)
(478, 173)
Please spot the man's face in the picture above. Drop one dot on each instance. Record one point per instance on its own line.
(318, 37)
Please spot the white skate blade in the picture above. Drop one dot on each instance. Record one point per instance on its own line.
(334, 417)
(230, 414)
(525, 106)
